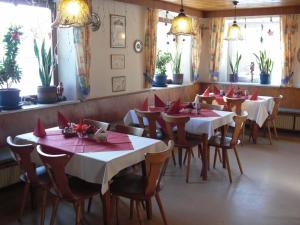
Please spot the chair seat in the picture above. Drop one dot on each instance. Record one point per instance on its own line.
(42, 174)
(216, 141)
(191, 141)
(83, 189)
(129, 185)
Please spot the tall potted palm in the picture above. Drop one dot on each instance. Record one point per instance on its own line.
(265, 66)
(9, 70)
(46, 93)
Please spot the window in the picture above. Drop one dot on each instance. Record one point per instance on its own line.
(259, 34)
(36, 23)
(168, 43)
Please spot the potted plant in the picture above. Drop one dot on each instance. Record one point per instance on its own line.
(9, 70)
(176, 63)
(265, 66)
(234, 67)
(162, 59)
(46, 93)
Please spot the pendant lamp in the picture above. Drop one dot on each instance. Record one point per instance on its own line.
(234, 31)
(181, 24)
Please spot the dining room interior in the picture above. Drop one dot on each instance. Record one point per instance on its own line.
(149, 112)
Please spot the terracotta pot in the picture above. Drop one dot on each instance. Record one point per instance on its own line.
(47, 95)
(178, 78)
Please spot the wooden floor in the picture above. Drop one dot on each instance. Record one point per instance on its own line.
(267, 194)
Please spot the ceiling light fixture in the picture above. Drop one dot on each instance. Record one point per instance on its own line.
(181, 24)
(234, 31)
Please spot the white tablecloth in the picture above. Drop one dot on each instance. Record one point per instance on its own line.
(196, 125)
(100, 167)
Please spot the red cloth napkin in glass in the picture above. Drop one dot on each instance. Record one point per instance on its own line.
(216, 90)
(144, 106)
(230, 93)
(158, 102)
(175, 107)
(61, 120)
(206, 92)
(39, 129)
(254, 96)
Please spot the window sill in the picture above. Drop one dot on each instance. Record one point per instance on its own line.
(248, 84)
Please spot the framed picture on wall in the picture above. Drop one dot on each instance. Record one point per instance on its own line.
(118, 83)
(117, 61)
(117, 31)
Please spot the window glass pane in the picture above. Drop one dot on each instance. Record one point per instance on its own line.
(35, 22)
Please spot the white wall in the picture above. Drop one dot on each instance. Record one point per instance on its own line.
(101, 72)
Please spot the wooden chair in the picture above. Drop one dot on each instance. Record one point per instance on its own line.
(136, 131)
(181, 140)
(212, 107)
(226, 143)
(33, 177)
(97, 124)
(272, 117)
(150, 129)
(142, 188)
(205, 99)
(72, 190)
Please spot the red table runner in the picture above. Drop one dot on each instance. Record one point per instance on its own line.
(59, 144)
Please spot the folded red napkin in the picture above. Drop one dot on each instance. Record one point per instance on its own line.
(230, 93)
(39, 129)
(216, 90)
(175, 107)
(206, 92)
(61, 120)
(144, 106)
(254, 96)
(158, 102)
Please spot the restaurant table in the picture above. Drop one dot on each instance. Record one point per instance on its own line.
(202, 126)
(101, 167)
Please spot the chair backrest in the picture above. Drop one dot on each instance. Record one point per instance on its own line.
(152, 117)
(137, 131)
(277, 101)
(210, 106)
(179, 122)
(234, 105)
(55, 165)
(156, 164)
(206, 99)
(97, 124)
(23, 155)
(239, 121)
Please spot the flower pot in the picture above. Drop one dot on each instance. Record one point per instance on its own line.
(47, 95)
(265, 78)
(178, 78)
(160, 81)
(10, 98)
(234, 77)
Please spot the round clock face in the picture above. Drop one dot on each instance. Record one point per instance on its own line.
(138, 46)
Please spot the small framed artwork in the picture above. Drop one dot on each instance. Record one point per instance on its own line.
(117, 61)
(117, 31)
(118, 83)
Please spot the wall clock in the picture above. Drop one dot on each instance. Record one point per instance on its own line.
(138, 46)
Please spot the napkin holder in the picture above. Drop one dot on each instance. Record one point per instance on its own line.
(100, 135)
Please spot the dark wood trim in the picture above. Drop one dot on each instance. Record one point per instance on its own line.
(254, 12)
(163, 5)
(27, 2)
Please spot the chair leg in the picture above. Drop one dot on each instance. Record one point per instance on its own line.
(208, 160)
(54, 211)
(78, 211)
(189, 164)
(215, 158)
(180, 157)
(90, 204)
(24, 198)
(32, 197)
(269, 133)
(131, 209)
(44, 204)
(161, 208)
(173, 157)
(227, 165)
(149, 209)
(274, 127)
(219, 154)
(199, 150)
(238, 159)
(138, 211)
(185, 156)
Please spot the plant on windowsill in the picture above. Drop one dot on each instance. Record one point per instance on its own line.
(162, 59)
(265, 66)
(234, 67)
(46, 93)
(176, 63)
(9, 70)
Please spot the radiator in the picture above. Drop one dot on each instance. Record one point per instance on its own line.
(297, 123)
(9, 175)
(285, 122)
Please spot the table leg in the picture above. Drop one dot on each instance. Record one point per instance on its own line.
(224, 132)
(205, 157)
(107, 217)
(223, 158)
(254, 131)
